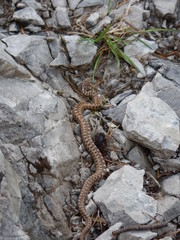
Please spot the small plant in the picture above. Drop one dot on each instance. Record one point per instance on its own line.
(114, 39)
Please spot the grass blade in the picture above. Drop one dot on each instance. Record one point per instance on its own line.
(102, 34)
(96, 64)
(113, 47)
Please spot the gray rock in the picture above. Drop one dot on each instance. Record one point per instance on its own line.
(10, 202)
(61, 60)
(118, 98)
(138, 156)
(171, 185)
(32, 51)
(138, 49)
(8, 66)
(54, 44)
(166, 238)
(73, 4)
(167, 8)
(168, 207)
(92, 19)
(141, 73)
(168, 92)
(119, 136)
(57, 3)
(54, 78)
(28, 15)
(137, 235)
(121, 198)
(118, 113)
(91, 208)
(152, 123)
(80, 52)
(108, 233)
(135, 16)
(13, 27)
(90, 3)
(33, 4)
(170, 70)
(32, 28)
(61, 18)
(104, 22)
(168, 165)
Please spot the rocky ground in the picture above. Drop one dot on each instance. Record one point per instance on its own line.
(47, 48)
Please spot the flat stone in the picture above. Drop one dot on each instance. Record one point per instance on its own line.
(138, 49)
(103, 23)
(121, 198)
(168, 92)
(31, 51)
(60, 60)
(90, 3)
(117, 113)
(142, 123)
(73, 4)
(135, 16)
(137, 235)
(10, 202)
(61, 18)
(108, 233)
(138, 156)
(167, 8)
(168, 165)
(57, 3)
(171, 185)
(9, 67)
(33, 4)
(119, 136)
(168, 207)
(81, 52)
(118, 98)
(92, 19)
(170, 70)
(28, 15)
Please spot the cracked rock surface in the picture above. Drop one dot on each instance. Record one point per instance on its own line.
(128, 49)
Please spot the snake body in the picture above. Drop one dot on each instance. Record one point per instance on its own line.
(89, 90)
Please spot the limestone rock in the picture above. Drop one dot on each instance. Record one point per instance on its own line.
(138, 49)
(121, 198)
(9, 67)
(104, 22)
(28, 15)
(108, 233)
(90, 3)
(61, 18)
(80, 52)
(32, 51)
(137, 235)
(57, 3)
(168, 165)
(168, 92)
(92, 19)
(73, 3)
(171, 185)
(60, 60)
(167, 7)
(168, 207)
(33, 4)
(152, 123)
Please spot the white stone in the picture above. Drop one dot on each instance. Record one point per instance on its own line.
(151, 122)
(121, 198)
(107, 235)
(28, 15)
(103, 23)
(80, 51)
(137, 235)
(73, 3)
(32, 51)
(165, 7)
(59, 3)
(92, 19)
(138, 49)
(90, 3)
(171, 185)
(61, 18)
(168, 207)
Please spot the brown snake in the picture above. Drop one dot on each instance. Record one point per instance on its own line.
(89, 90)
